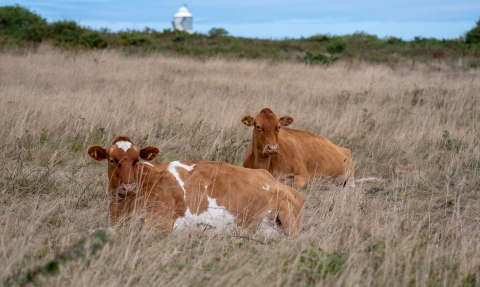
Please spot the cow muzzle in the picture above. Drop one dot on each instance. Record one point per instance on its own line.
(271, 149)
(127, 189)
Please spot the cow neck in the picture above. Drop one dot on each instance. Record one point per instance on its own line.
(260, 162)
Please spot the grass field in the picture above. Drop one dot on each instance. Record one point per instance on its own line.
(416, 127)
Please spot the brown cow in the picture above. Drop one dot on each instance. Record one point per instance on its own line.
(177, 194)
(294, 156)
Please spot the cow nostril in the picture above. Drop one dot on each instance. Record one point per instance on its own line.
(271, 149)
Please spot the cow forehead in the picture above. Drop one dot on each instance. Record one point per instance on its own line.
(124, 145)
(123, 150)
(267, 119)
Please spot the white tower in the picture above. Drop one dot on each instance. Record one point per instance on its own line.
(183, 20)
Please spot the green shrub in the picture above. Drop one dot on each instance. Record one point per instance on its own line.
(336, 47)
(134, 38)
(179, 39)
(394, 41)
(473, 36)
(217, 32)
(318, 38)
(20, 23)
(35, 33)
(93, 39)
(66, 32)
(362, 37)
(319, 58)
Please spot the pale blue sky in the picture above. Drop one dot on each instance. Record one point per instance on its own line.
(404, 19)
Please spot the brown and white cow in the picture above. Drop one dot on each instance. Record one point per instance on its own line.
(295, 157)
(181, 193)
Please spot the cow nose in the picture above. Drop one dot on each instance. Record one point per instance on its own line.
(271, 149)
(127, 189)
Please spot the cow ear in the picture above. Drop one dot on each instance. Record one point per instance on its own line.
(97, 152)
(248, 121)
(150, 152)
(286, 120)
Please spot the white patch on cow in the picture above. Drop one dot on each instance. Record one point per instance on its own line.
(215, 216)
(124, 145)
(266, 188)
(268, 228)
(147, 163)
(172, 168)
(265, 222)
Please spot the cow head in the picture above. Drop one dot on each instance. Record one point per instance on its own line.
(123, 157)
(266, 127)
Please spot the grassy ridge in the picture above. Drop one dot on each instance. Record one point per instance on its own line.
(20, 28)
(416, 127)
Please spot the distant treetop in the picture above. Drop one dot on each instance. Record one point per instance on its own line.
(473, 36)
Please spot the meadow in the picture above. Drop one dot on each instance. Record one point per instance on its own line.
(415, 126)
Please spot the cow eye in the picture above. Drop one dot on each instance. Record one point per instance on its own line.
(259, 128)
(278, 128)
(135, 162)
(113, 162)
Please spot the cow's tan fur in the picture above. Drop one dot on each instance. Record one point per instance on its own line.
(294, 156)
(248, 195)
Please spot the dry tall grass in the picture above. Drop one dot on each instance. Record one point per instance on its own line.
(416, 127)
